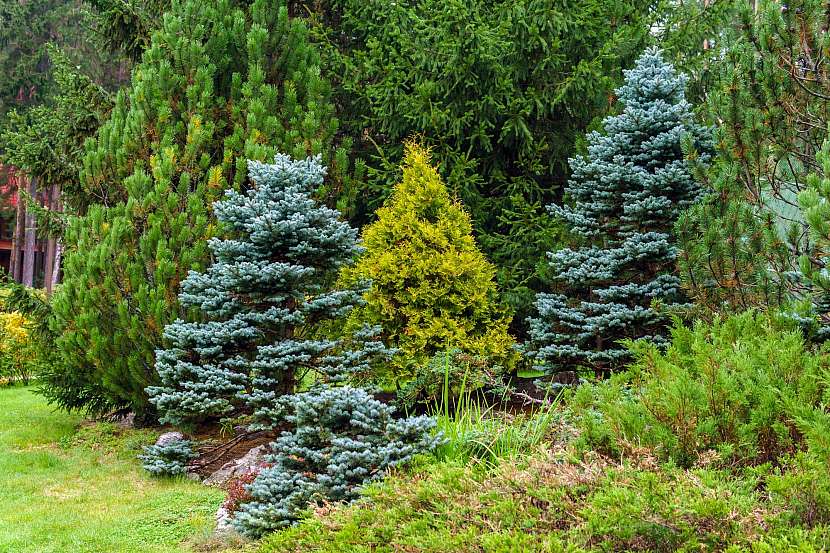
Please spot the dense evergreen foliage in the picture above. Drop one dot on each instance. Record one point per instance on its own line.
(343, 438)
(47, 140)
(768, 100)
(746, 388)
(169, 458)
(432, 289)
(221, 82)
(627, 194)
(27, 29)
(730, 247)
(260, 300)
(500, 90)
(210, 283)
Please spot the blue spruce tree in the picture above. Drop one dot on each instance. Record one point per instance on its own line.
(269, 285)
(343, 438)
(627, 194)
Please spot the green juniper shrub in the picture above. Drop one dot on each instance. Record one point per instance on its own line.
(747, 387)
(431, 287)
(552, 502)
(801, 489)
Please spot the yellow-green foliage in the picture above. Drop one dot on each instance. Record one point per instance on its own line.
(432, 289)
(16, 351)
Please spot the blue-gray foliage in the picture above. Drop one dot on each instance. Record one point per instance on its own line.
(168, 459)
(270, 284)
(343, 438)
(626, 195)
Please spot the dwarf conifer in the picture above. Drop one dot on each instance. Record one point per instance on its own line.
(267, 290)
(432, 289)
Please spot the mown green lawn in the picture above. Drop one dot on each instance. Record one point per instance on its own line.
(69, 487)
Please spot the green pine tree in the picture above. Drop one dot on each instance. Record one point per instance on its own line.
(220, 83)
(728, 248)
(768, 98)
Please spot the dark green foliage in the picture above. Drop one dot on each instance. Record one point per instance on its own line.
(127, 25)
(500, 90)
(693, 35)
(221, 82)
(813, 200)
(26, 30)
(747, 388)
(769, 102)
(268, 289)
(729, 249)
(47, 140)
(627, 194)
(343, 439)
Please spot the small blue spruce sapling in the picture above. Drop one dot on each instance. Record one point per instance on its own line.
(169, 458)
(343, 438)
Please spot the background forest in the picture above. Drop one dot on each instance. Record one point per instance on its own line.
(388, 246)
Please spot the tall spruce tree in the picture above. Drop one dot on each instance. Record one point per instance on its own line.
(268, 288)
(220, 83)
(627, 194)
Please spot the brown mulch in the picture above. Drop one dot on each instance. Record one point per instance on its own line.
(215, 452)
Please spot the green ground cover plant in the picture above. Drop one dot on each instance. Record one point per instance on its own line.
(67, 486)
(554, 501)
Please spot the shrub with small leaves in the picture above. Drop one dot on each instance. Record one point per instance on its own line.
(168, 458)
(19, 355)
(343, 438)
(237, 488)
(432, 288)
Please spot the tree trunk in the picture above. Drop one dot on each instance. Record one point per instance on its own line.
(56, 269)
(15, 265)
(49, 265)
(28, 276)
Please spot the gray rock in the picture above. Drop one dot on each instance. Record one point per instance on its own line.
(223, 522)
(245, 464)
(169, 437)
